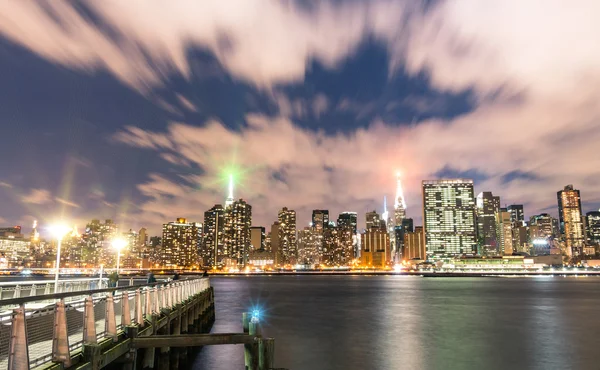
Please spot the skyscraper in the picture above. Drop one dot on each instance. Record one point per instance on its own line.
(257, 238)
(399, 232)
(348, 220)
(375, 252)
(544, 226)
(180, 243)
(238, 219)
(449, 216)
(414, 245)
(229, 200)
(488, 207)
(399, 202)
(310, 242)
(516, 213)
(593, 226)
(504, 233)
(287, 235)
(213, 250)
(571, 219)
(320, 219)
(274, 243)
(373, 219)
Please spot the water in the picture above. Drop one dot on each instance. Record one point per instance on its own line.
(392, 322)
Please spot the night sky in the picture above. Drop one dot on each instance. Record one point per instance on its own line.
(138, 111)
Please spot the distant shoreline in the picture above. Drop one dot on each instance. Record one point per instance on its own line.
(414, 274)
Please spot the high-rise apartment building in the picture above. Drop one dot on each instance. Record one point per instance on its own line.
(180, 243)
(375, 248)
(571, 219)
(213, 250)
(274, 243)
(238, 220)
(449, 217)
(406, 226)
(593, 226)
(504, 233)
(310, 242)
(287, 235)
(488, 206)
(413, 246)
(516, 213)
(347, 227)
(320, 219)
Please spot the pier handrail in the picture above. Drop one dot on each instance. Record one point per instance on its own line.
(38, 329)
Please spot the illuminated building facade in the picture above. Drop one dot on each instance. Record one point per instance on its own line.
(273, 243)
(517, 214)
(213, 240)
(14, 247)
(347, 228)
(320, 219)
(94, 247)
(414, 245)
(593, 226)
(449, 217)
(238, 220)
(287, 235)
(545, 226)
(488, 206)
(504, 233)
(310, 242)
(180, 246)
(571, 219)
(375, 248)
(257, 238)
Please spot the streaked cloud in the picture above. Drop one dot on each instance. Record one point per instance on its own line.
(66, 202)
(37, 196)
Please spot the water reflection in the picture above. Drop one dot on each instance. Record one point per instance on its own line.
(387, 322)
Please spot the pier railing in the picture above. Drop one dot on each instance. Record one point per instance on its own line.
(29, 288)
(40, 328)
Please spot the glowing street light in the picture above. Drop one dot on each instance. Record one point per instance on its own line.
(119, 244)
(59, 231)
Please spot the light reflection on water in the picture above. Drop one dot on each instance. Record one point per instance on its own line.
(392, 322)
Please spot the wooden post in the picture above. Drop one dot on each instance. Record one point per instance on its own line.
(245, 322)
(60, 337)
(266, 353)
(18, 354)
(251, 350)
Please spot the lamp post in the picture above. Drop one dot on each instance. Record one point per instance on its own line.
(59, 232)
(119, 244)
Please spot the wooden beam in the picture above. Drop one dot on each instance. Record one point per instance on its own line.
(192, 340)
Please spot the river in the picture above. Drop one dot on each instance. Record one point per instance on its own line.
(395, 322)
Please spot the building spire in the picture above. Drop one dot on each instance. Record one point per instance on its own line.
(399, 193)
(229, 200)
(385, 214)
(399, 202)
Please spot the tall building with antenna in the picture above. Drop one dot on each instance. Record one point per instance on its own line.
(229, 200)
(397, 232)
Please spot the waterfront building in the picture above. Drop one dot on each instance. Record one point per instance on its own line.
(274, 243)
(348, 220)
(320, 219)
(180, 243)
(399, 232)
(571, 219)
(375, 248)
(213, 245)
(14, 247)
(488, 206)
(413, 246)
(287, 237)
(449, 217)
(310, 242)
(593, 227)
(94, 247)
(504, 233)
(238, 220)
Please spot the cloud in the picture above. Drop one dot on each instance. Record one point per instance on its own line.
(186, 103)
(37, 196)
(262, 42)
(5, 184)
(320, 105)
(66, 202)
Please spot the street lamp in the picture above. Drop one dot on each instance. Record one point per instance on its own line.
(59, 231)
(119, 244)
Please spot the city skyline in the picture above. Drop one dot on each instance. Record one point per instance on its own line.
(109, 118)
